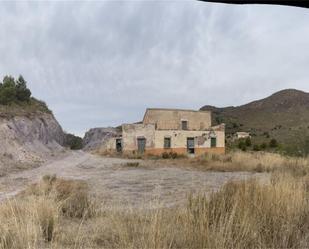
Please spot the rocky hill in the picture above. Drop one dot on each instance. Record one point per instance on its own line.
(96, 137)
(29, 134)
(283, 116)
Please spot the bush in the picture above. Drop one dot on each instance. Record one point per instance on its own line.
(171, 154)
(71, 195)
(266, 134)
(248, 141)
(263, 146)
(132, 164)
(241, 143)
(74, 142)
(165, 155)
(256, 147)
(273, 143)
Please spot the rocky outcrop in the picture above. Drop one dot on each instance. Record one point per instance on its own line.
(97, 137)
(26, 141)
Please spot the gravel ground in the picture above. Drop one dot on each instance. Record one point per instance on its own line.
(118, 185)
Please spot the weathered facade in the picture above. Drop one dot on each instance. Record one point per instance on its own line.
(170, 130)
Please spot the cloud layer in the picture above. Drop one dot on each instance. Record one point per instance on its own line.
(102, 63)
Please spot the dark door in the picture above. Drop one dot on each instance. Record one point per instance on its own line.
(190, 145)
(141, 144)
(118, 145)
(213, 142)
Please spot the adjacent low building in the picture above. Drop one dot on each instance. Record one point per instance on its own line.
(170, 130)
(241, 135)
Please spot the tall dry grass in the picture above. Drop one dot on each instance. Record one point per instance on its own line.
(255, 161)
(59, 213)
(241, 215)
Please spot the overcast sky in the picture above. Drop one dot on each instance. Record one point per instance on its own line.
(101, 64)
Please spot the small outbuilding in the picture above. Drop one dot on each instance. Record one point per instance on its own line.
(242, 134)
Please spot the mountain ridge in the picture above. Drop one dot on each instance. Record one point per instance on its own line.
(284, 116)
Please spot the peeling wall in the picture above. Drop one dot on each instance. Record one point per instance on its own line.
(179, 138)
(166, 119)
(130, 133)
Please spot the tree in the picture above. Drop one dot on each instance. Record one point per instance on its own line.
(22, 92)
(7, 90)
(14, 91)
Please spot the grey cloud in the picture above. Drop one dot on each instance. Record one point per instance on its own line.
(103, 63)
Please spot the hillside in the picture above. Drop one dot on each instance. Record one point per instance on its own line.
(96, 137)
(283, 116)
(29, 132)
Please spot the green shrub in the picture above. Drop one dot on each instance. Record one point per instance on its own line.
(173, 155)
(165, 155)
(132, 164)
(273, 143)
(256, 147)
(242, 145)
(263, 146)
(248, 141)
(74, 142)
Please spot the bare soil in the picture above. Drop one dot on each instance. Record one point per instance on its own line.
(118, 185)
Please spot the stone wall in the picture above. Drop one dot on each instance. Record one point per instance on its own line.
(130, 133)
(179, 138)
(168, 119)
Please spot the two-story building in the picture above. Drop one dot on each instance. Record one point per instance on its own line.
(170, 130)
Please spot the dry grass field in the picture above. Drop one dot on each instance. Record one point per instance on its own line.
(253, 162)
(59, 213)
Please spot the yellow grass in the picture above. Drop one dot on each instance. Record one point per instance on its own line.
(255, 161)
(59, 213)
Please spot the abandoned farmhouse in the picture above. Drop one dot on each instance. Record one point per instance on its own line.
(169, 130)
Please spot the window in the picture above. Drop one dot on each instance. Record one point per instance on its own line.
(184, 125)
(167, 142)
(213, 142)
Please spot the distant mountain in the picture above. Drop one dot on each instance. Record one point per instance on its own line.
(283, 116)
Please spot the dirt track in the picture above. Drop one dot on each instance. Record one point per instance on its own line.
(118, 185)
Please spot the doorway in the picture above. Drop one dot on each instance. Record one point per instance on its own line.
(119, 145)
(141, 144)
(190, 145)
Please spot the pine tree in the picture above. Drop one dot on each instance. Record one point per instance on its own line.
(22, 92)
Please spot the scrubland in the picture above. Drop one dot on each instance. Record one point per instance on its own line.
(59, 213)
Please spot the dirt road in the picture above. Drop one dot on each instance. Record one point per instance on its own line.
(119, 185)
